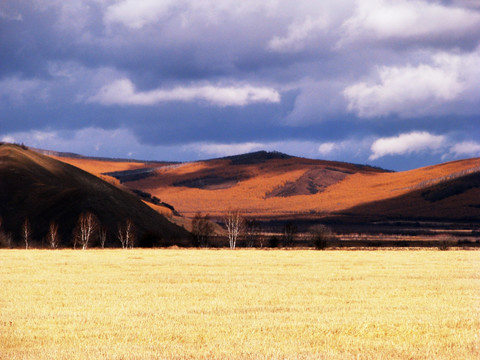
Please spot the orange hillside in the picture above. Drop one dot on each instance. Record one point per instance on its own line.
(273, 184)
(97, 167)
(248, 187)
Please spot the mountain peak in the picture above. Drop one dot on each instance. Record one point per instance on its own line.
(256, 157)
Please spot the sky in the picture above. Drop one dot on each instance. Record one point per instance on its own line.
(390, 83)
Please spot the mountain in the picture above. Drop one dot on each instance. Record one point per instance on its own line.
(265, 184)
(43, 189)
(272, 185)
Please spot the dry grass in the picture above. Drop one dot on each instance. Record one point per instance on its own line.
(250, 195)
(247, 304)
(98, 167)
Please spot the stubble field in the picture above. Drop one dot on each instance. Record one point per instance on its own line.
(244, 304)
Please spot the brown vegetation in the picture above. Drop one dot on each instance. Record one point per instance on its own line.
(45, 190)
(296, 187)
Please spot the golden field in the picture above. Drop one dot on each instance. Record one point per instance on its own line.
(243, 304)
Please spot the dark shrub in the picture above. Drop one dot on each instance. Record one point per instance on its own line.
(6, 240)
(289, 234)
(273, 242)
(443, 245)
(321, 236)
(150, 239)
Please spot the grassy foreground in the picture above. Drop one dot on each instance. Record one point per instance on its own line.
(245, 304)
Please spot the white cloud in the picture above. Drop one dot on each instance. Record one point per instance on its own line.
(122, 92)
(137, 13)
(327, 148)
(419, 90)
(298, 34)
(339, 150)
(413, 142)
(466, 148)
(404, 19)
(8, 139)
(402, 91)
(213, 149)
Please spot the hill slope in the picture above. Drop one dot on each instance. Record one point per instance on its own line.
(453, 198)
(44, 189)
(259, 184)
(274, 185)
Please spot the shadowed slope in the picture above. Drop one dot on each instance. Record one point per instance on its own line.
(43, 189)
(456, 199)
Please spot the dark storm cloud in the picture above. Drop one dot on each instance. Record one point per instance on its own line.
(186, 78)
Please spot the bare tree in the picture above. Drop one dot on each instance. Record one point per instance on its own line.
(202, 229)
(53, 237)
(261, 239)
(126, 234)
(102, 235)
(129, 233)
(26, 232)
(289, 233)
(234, 223)
(251, 232)
(86, 228)
(121, 236)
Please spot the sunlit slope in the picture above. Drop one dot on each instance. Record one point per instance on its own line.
(260, 183)
(257, 188)
(44, 189)
(274, 184)
(97, 167)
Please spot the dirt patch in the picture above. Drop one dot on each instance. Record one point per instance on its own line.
(312, 182)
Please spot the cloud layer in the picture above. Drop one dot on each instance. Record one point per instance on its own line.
(425, 89)
(418, 21)
(409, 143)
(335, 79)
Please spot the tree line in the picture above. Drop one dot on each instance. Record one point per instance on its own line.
(239, 227)
(87, 231)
